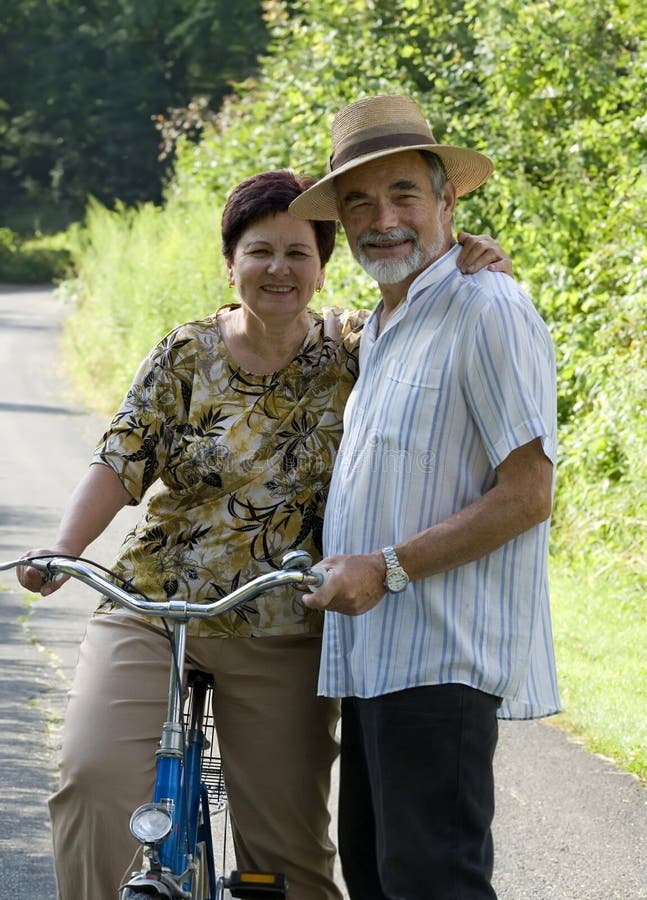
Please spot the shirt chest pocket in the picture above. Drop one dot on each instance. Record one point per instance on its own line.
(412, 403)
(414, 373)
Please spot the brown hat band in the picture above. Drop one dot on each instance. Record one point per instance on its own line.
(383, 142)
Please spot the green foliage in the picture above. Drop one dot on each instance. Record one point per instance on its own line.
(282, 119)
(569, 81)
(141, 272)
(36, 260)
(600, 625)
(81, 84)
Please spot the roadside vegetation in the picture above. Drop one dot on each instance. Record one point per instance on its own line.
(35, 258)
(554, 92)
(601, 635)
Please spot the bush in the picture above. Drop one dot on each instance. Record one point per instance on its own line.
(33, 260)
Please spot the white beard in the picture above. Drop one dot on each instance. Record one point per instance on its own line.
(393, 271)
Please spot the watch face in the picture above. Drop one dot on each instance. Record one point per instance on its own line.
(397, 580)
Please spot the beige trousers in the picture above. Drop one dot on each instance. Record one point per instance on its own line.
(276, 740)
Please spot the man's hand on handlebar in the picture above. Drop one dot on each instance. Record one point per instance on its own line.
(35, 580)
(353, 584)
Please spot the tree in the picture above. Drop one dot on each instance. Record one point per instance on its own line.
(82, 83)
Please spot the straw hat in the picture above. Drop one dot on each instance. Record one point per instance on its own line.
(379, 126)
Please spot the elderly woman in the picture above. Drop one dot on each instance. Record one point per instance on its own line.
(237, 418)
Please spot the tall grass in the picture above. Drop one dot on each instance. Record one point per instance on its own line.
(141, 273)
(600, 625)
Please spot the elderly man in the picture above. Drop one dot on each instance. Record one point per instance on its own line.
(436, 529)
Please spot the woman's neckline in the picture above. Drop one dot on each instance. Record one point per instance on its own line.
(240, 363)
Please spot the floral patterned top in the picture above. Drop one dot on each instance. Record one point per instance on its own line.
(242, 464)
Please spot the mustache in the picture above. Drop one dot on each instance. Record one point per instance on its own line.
(386, 237)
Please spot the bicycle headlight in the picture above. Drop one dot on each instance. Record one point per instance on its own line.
(151, 823)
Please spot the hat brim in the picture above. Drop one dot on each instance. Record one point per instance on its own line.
(466, 169)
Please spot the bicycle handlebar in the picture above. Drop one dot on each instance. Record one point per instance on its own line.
(301, 573)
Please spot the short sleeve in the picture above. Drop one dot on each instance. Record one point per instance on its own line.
(142, 433)
(510, 380)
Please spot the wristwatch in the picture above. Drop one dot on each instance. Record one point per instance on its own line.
(396, 578)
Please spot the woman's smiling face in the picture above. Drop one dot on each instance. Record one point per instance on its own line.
(276, 266)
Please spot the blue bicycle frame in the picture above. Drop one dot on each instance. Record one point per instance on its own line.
(179, 771)
(178, 786)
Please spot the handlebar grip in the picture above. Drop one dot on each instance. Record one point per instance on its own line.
(322, 576)
(42, 566)
(52, 577)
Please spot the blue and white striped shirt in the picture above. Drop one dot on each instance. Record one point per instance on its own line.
(463, 374)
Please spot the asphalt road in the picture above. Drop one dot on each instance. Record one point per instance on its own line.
(569, 825)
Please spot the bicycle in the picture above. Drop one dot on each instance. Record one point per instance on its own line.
(174, 829)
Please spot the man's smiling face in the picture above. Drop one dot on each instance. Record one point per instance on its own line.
(394, 222)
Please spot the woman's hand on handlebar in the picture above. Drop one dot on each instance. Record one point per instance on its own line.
(36, 581)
